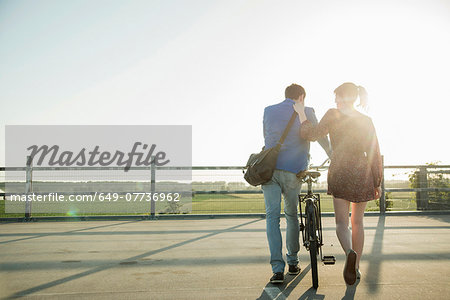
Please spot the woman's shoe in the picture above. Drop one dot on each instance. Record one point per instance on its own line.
(358, 274)
(350, 267)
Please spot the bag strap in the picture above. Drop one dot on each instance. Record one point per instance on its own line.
(286, 130)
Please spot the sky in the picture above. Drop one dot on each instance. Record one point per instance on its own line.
(215, 65)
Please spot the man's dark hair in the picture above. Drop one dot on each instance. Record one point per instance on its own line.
(294, 91)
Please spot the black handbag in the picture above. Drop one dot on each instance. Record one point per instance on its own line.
(260, 166)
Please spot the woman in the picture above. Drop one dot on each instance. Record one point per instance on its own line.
(355, 171)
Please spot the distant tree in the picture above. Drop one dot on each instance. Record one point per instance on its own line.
(436, 199)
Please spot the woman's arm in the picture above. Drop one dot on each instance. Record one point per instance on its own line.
(324, 142)
(308, 130)
(299, 107)
(374, 156)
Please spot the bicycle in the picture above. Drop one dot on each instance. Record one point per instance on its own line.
(312, 229)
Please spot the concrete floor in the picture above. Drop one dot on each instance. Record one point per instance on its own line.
(406, 257)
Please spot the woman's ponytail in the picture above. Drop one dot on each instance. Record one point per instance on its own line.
(363, 98)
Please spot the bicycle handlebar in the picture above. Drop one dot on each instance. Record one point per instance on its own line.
(323, 164)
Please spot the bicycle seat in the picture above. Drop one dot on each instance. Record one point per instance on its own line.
(304, 174)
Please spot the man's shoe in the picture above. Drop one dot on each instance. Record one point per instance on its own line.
(293, 270)
(349, 269)
(277, 278)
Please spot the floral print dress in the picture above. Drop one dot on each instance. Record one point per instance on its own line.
(355, 170)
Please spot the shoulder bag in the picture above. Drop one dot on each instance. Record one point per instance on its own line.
(260, 166)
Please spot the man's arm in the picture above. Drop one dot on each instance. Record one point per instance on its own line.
(323, 142)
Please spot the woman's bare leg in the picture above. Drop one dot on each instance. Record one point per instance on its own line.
(358, 229)
(341, 213)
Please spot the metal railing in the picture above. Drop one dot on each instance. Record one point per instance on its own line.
(421, 172)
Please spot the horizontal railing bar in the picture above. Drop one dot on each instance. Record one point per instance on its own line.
(118, 168)
(192, 168)
(417, 166)
(72, 168)
(418, 190)
(228, 192)
(3, 169)
(393, 190)
(244, 192)
(93, 193)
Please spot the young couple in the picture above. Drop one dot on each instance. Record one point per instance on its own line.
(354, 175)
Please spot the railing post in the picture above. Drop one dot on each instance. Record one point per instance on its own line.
(28, 187)
(383, 194)
(422, 196)
(152, 187)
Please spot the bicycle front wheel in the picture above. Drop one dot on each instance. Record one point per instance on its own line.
(313, 247)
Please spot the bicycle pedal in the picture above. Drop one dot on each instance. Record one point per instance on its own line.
(328, 259)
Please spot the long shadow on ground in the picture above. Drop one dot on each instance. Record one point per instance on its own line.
(130, 259)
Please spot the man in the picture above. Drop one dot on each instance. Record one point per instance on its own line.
(293, 158)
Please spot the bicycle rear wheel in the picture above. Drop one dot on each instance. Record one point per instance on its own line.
(313, 247)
